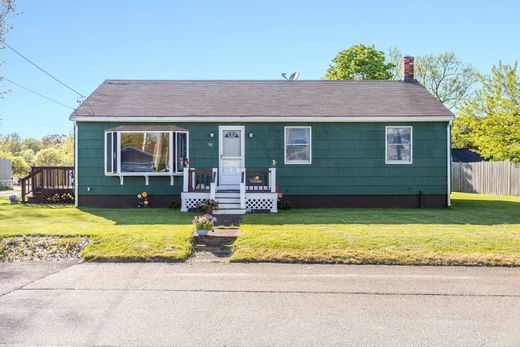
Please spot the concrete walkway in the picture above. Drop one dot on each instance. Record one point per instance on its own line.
(257, 305)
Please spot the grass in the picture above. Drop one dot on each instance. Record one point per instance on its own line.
(117, 234)
(477, 230)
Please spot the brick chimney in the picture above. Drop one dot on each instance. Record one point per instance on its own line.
(407, 69)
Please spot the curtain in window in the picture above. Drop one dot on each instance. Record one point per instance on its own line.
(398, 144)
(298, 145)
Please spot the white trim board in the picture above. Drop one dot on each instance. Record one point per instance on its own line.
(245, 119)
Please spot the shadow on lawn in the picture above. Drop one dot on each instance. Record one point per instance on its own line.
(476, 212)
(141, 216)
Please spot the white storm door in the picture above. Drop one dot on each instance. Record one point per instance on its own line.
(231, 152)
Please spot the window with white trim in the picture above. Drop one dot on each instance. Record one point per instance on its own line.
(153, 153)
(298, 143)
(398, 145)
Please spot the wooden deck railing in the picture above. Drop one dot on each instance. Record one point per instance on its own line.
(49, 184)
(200, 180)
(258, 181)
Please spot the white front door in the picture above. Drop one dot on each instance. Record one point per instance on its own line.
(231, 152)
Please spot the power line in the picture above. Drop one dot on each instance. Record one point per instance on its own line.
(42, 70)
(39, 94)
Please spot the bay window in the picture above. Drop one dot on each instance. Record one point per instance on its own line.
(151, 151)
(297, 145)
(398, 144)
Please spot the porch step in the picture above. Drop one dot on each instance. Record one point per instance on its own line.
(228, 205)
(223, 195)
(228, 200)
(230, 211)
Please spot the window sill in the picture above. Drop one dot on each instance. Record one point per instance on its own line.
(146, 176)
(398, 163)
(141, 174)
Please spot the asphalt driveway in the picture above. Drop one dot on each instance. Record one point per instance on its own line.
(257, 305)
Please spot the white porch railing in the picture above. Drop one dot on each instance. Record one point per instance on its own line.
(257, 188)
(243, 188)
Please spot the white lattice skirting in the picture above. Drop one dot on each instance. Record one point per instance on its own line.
(262, 201)
(192, 200)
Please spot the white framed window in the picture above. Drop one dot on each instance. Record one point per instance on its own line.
(398, 145)
(298, 144)
(148, 153)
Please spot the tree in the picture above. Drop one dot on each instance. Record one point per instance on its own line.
(444, 75)
(11, 143)
(490, 121)
(394, 57)
(49, 157)
(19, 166)
(359, 62)
(32, 144)
(67, 148)
(53, 140)
(7, 10)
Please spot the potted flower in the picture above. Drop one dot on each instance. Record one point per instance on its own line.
(13, 199)
(203, 224)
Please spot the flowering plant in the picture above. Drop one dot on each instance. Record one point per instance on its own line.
(207, 206)
(283, 204)
(14, 199)
(143, 199)
(204, 222)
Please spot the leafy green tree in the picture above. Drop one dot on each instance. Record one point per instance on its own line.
(19, 166)
(11, 142)
(359, 62)
(32, 144)
(49, 157)
(67, 148)
(444, 75)
(490, 121)
(28, 155)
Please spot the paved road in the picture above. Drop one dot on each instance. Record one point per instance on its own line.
(257, 305)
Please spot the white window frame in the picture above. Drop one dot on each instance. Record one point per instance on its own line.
(397, 162)
(172, 155)
(297, 162)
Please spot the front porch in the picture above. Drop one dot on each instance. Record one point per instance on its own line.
(256, 191)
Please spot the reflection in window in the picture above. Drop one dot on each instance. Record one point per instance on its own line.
(231, 147)
(145, 152)
(399, 145)
(297, 145)
(181, 151)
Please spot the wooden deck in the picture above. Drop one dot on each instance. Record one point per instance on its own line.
(49, 185)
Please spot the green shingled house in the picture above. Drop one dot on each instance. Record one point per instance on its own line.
(319, 143)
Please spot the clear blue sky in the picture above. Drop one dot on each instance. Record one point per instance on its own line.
(86, 42)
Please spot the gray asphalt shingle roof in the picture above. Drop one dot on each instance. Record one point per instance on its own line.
(171, 98)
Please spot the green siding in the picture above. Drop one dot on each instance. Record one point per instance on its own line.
(347, 159)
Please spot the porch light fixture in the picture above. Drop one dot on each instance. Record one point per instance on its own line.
(250, 135)
(212, 134)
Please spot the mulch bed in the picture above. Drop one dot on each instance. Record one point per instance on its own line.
(25, 248)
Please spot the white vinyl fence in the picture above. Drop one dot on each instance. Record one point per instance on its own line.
(6, 180)
(498, 178)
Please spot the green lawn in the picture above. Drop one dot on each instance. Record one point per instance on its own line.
(117, 234)
(477, 230)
